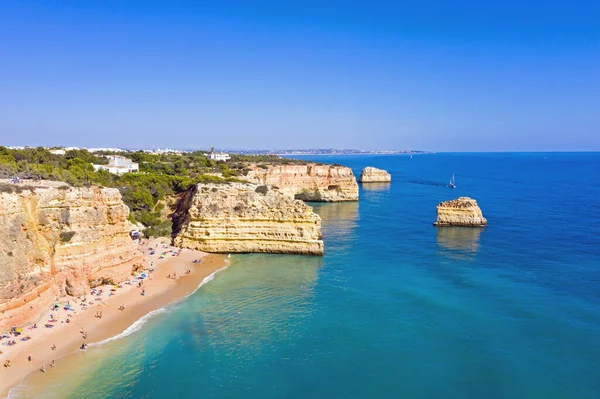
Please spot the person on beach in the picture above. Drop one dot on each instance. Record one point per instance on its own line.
(52, 365)
(43, 369)
(53, 347)
(29, 357)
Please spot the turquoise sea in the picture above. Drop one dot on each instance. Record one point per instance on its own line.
(396, 308)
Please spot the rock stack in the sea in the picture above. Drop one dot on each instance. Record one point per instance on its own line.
(243, 217)
(307, 182)
(374, 175)
(59, 240)
(462, 211)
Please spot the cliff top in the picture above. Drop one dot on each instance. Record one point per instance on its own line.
(460, 202)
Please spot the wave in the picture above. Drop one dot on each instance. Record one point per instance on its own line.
(132, 328)
(142, 320)
(15, 392)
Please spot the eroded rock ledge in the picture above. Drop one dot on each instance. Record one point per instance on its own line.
(462, 211)
(57, 241)
(240, 217)
(374, 175)
(308, 182)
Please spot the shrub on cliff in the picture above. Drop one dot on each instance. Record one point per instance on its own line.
(66, 236)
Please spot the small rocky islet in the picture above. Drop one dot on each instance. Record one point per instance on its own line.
(462, 211)
(374, 175)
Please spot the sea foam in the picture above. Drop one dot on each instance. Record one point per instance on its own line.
(138, 324)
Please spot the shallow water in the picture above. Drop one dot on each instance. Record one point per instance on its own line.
(396, 307)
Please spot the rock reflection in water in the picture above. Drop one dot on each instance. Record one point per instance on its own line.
(376, 186)
(338, 221)
(458, 242)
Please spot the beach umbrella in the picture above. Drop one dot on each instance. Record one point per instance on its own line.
(143, 275)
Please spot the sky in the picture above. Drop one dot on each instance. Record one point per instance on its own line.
(429, 75)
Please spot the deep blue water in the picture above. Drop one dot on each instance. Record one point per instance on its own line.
(397, 307)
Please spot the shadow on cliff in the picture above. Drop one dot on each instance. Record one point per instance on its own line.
(178, 210)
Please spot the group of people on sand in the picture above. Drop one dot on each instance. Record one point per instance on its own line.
(82, 303)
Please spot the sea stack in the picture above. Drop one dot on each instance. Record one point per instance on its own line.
(462, 211)
(309, 182)
(242, 217)
(374, 175)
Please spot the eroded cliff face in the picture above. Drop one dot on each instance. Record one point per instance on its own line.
(240, 217)
(308, 182)
(374, 175)
(57, 241)
(462, 211)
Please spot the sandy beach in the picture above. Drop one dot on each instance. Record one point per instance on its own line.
(105, 312)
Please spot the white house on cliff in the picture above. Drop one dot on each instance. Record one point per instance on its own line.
(217, 156)
(118, 165)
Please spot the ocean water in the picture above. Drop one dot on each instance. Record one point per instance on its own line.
(397, 307)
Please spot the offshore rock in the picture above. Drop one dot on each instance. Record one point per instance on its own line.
(308, 182)
(462, 211)
(59, 240)
(374, 175)
(242, 217)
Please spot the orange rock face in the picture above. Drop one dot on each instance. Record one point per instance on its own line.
(309, 182)
(57, 241)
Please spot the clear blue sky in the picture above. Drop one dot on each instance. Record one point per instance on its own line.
(433, 75)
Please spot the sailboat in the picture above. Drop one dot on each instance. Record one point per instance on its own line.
(452, 183)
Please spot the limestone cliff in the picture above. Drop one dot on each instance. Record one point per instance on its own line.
(462, 211)
(241, 217)
(57, 241)
(374, 175)
(308, 182)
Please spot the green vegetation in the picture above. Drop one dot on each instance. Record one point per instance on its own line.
(144, 192)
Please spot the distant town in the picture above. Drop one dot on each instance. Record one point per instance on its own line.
(159, 151)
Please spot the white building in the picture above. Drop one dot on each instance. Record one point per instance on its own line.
(217, 156)
(161, 151)
(118, 165)
(105, 149)
(60, 151)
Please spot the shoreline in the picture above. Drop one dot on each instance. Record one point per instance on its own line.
(114, 323)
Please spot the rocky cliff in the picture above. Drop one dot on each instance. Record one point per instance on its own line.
(240, 217)
(462, 211)
(308, 182)
(374, 175)
(56, 241)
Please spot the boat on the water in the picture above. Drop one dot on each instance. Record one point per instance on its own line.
(452, 183)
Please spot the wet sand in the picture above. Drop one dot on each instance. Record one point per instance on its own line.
(159, 292)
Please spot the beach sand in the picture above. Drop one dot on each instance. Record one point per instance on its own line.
(159, 292)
